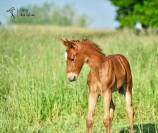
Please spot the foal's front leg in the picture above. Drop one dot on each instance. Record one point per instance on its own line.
(108, 113)
(92, 98)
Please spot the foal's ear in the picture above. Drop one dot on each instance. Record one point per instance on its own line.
(64, 42)
(68, 43)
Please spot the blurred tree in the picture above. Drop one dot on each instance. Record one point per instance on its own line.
(82, 21)
(129, 12)
(49, 14)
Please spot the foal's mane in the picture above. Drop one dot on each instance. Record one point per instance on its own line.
(89, 43)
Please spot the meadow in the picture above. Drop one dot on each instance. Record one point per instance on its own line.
(36, 97)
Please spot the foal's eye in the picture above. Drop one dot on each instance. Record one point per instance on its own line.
(72, 59)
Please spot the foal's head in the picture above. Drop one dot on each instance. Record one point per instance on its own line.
(74, 58)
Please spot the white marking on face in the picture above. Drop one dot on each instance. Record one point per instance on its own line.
(65, 55)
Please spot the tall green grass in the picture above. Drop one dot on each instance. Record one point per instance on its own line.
(35, 95)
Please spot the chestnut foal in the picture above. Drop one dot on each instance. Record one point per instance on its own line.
(106, 74)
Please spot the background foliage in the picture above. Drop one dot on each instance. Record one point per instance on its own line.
(129, 12)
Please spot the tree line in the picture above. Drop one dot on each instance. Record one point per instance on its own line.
(48, 14)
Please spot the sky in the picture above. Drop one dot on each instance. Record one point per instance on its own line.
(101, 13)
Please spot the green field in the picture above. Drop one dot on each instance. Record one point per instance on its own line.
(35, 96)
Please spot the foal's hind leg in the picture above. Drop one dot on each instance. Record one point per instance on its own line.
(92, 98)
(129, 108)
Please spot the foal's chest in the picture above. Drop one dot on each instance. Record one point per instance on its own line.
(94, 84)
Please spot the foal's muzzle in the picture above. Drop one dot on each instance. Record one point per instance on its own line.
(71, 76)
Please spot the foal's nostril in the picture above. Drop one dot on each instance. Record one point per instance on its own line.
(72, 76)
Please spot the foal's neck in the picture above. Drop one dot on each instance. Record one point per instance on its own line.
(95, 61)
